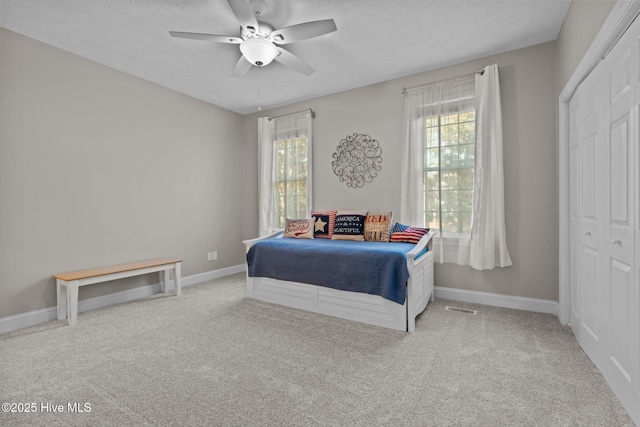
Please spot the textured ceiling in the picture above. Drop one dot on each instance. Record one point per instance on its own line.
(376, 40)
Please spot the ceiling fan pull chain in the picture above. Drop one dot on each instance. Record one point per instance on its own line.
(259, 100)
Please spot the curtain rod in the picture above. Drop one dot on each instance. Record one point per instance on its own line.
(481, 72)
(313, 114)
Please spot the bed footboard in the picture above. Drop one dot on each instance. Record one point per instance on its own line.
(420, 287)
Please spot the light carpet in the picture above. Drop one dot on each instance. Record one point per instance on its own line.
(214, 358)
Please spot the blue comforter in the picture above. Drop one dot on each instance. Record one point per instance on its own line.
(375, 268)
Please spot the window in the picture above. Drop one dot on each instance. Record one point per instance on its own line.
(438, 157)
(284, 169)
(449, 145)
(290, 163)
(440, 149)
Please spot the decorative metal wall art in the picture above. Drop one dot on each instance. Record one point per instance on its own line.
(357, 160)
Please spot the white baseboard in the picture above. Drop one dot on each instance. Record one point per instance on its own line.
(213, 274)
(498, 300)
(23, 320)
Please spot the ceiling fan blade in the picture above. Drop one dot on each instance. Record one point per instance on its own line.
(244, 14)
(303, 31)
(290, 60)
(207, 37)
(242, 66)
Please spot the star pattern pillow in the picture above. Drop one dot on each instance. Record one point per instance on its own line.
(324, 223)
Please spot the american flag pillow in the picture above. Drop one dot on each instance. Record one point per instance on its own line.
(399, 227)
(404, 233)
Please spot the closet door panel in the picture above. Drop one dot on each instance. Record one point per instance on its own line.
(574, 216)
(588, 184)
(619, 81)
(588, 141)
(635, 298)
(592, 269)
(574, 252)
(620, 339)
(620, 153)
(589, 298)
(620, 215)
(635, 352)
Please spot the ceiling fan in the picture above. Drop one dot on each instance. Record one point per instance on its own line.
(260, 42)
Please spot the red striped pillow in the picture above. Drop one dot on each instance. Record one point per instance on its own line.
(410, 235)
(325, 223)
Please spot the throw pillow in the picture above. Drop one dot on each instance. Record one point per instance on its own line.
(299, 228)
(399, 227)
(408, 235)
(377, 226)
(324, 223)
(349, 225)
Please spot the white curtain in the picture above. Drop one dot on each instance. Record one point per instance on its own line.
(488, 245)
(431, 100)
(290, 126)
(265, 175)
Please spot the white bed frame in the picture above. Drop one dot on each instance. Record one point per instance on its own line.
(370, 309)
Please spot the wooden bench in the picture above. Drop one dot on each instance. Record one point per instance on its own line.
(68, 305)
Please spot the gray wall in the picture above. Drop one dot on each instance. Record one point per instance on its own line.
(98, 167)
(581, 25)
(529, 115)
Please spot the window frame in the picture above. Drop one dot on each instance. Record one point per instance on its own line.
(426, 212)
(278, 215)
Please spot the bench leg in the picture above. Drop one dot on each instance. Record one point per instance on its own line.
(163, 281)
(62, 302)
(72, 302)
(177, 279)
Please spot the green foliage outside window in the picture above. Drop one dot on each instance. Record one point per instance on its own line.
(448, 174)
(290, 180)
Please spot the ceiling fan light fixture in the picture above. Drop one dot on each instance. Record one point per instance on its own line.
(260, 42)
(258, 51)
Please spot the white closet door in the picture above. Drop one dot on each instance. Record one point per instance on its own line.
(620, 66)
(574, 215)
(604, 215)
(635, 115)
(591, 268)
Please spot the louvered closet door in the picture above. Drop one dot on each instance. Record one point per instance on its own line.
(621, 76)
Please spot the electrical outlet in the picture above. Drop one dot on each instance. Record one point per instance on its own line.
(214, 255)
(210, 256)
